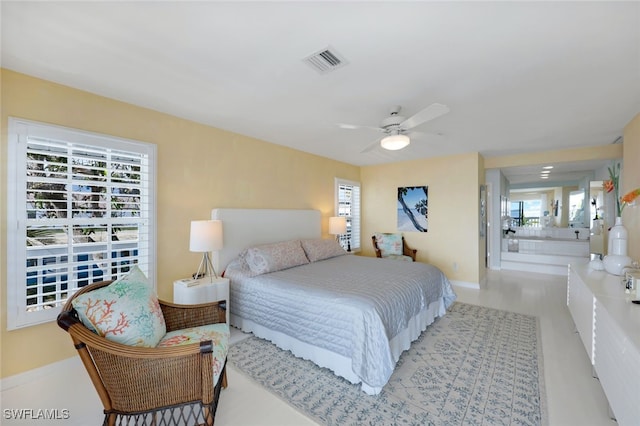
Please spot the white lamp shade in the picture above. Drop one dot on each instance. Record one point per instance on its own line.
(337, 225)
(206, 235)
(395, 142)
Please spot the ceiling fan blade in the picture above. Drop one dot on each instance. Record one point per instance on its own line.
(356, 126)
(427, 114)
(371, 147)
(425, 135)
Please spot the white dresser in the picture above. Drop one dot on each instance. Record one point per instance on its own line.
(609, 326)
(203, 290)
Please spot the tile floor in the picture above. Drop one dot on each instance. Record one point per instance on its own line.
(574, 397)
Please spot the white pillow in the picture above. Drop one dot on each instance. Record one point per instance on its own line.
(275, 257)
(238, 267)
(322, 249)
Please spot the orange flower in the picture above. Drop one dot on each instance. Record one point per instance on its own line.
(631, 196)
(608, 185)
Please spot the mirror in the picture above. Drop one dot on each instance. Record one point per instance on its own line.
(577, 212)
(561, 207)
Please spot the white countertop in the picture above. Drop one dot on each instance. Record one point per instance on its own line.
(527, 238)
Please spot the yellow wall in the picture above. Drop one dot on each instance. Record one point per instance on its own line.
(453, 210)
(630, 181)
(199, 168)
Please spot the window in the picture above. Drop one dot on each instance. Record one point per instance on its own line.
(81, 209)
(348, 205)
(526, 213)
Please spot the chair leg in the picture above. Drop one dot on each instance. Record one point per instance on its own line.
(208, 418)
(110, 419)
(224, 378)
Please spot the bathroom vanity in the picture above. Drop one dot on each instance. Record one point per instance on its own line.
(546, 250)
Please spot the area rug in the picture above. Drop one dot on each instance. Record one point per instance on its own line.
(474, 366)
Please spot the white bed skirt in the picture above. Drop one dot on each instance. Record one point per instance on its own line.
(337, 363)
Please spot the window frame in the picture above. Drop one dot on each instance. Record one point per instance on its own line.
(354, 223)
(19, 130)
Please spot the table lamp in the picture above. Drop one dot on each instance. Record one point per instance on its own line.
(206, 236)
(337, 226)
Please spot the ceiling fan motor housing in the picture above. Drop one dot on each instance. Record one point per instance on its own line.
(391, 122)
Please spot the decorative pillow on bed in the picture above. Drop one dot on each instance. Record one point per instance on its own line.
(275, 257)
(126, 311)
(322, 249)
(239, 267)
(389, 244)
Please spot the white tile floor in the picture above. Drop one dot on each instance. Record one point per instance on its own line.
(574, 397)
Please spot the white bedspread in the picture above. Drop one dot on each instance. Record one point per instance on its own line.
(350, 305)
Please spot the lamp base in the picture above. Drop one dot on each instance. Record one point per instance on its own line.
(206, 268)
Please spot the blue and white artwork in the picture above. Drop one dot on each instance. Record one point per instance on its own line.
(413, 208)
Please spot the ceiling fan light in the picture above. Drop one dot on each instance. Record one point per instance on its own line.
(395, 142)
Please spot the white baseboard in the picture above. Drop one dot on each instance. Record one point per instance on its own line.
(37, 373)
(535, 267)
(465, 284)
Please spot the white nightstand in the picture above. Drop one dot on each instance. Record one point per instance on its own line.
(188, 291)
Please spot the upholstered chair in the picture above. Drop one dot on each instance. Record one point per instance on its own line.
(393, 246)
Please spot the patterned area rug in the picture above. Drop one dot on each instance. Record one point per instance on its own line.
(474, 366)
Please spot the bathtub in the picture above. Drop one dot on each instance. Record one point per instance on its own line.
(545, 250)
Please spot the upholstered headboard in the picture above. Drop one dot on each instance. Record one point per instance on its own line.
(243, 228)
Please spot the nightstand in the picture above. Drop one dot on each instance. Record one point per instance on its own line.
(209, 289)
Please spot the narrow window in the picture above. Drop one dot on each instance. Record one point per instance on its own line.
(348, 205)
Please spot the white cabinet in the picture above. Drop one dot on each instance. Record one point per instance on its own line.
(609, 326)
(617, 362)
(580, 302)
(203, 290)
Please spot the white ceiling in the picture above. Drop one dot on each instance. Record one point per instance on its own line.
(518, 76)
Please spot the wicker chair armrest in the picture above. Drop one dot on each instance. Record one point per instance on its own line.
(178, 317)
(375, 246)
(408, 251)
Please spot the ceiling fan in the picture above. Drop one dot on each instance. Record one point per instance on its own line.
(396, 126)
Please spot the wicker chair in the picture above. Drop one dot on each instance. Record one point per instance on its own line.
(407, 252)
(159, 386)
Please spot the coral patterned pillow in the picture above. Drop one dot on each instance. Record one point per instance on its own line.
(217, 333)
(126, 311)
(389, 244)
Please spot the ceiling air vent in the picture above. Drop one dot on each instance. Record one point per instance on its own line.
(325, 60)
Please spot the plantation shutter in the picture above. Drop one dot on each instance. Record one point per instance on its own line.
(84, 206)
(348, 205)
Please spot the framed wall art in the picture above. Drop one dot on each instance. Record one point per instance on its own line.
(413, 208)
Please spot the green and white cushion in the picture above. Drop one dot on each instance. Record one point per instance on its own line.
(217, 333)
(389, 244)
(126, 311)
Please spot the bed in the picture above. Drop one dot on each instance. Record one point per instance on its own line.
(354, 315)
